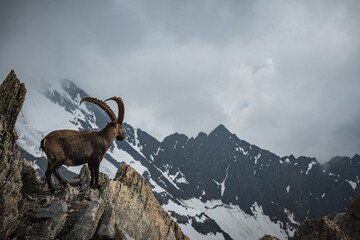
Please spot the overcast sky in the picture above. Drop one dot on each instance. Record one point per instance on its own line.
(283, 75)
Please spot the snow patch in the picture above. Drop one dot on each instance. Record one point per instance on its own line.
(232, 219)
(352, 184)
(121, 155)
(222, 184)
(310, 166)
(137, 145)
(257, 157)
(291, 216)
(240, 149)
(166, 175)
(156, 187)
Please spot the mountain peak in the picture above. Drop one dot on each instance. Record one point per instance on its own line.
(220, 130)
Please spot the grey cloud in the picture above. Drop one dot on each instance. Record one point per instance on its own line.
(283, 75)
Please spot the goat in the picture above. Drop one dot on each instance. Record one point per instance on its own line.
(74, 148)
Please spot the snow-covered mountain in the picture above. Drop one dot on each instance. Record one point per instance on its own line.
(215, 186)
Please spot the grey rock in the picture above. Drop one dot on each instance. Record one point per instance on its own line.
(132, 210)
(45, 200)
(31, 184)
(87, 221)
(53, 210)
(68, 193)
(91, 194)
(85, 176)
(268, 237)
(336, 218)
(351, 221)
(319, 229)
(74, 182)
(51, 227)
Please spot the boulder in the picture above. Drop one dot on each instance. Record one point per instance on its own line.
(351, 220)
(319, 229)
(85, 224)
(51, 211)
(268, 237)
(337, 218)
(132, 210)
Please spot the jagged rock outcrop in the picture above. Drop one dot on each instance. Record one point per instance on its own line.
(351, 220)
(125, 208)
(337, 218)
(335, 226)
(12, 94)
(268, 237)
(319, 229)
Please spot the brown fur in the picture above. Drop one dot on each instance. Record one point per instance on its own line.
(74, 148)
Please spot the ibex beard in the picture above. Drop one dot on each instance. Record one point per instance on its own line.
(74, 148)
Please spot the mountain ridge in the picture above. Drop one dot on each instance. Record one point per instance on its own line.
(218, 169)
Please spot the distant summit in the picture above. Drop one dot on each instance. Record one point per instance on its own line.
(220, 130)
(216, 185)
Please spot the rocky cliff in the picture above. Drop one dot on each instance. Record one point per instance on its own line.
(12, 97)
(125, 208)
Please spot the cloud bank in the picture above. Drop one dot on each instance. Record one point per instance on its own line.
(282, 75)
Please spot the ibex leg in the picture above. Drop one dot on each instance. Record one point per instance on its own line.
(92, 171)
(49, 170)
(97, 184)
(61, 179)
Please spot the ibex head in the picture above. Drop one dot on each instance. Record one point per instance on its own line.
(116, 121)
(120, 118)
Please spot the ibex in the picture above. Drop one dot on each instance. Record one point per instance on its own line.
(74, 148)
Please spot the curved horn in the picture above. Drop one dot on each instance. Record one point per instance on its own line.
(101, 104)
(121, 107)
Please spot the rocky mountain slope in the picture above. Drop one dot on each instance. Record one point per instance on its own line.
(336, 226)
(216, 186)
(125, 208)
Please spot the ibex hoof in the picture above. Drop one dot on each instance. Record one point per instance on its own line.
(64, 183)
(52, 190)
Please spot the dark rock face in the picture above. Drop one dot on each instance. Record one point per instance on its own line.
(337, 218)
(351, 221)
(319, 229)
(268, 237)
(12, 94)
(125, 208)
(301, 185)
